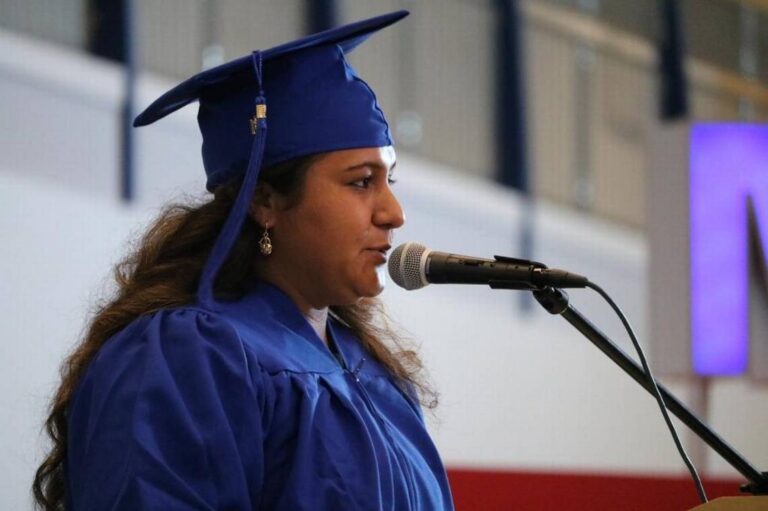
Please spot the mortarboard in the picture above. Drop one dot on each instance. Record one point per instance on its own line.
(316, 101)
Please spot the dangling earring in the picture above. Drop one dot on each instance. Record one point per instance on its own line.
(265, 243)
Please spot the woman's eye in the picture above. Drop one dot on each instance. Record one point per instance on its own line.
(391, 180)
(362, 183)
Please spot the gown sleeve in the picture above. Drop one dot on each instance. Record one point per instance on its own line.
(170, 416)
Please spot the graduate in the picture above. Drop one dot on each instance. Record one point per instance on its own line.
(244, 363)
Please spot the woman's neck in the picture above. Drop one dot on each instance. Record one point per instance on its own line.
(316, 317)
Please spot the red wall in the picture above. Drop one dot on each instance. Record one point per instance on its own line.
(484, 490)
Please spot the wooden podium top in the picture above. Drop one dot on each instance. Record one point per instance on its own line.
(735, 504)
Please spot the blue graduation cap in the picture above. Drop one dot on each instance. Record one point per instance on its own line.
(316, 101)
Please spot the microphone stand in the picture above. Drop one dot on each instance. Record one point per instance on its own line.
(555, 301)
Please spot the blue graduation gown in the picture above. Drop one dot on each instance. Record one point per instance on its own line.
(245, 408)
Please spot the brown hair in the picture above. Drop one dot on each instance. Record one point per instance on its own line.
(163, 271)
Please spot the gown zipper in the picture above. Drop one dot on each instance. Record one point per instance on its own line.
(410, 489)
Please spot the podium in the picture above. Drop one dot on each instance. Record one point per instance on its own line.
(735, 504)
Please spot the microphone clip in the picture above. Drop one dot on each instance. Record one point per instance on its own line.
(504, 284)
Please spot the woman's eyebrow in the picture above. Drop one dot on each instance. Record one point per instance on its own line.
(373, 165)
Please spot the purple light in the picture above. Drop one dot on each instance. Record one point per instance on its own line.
(728, 164)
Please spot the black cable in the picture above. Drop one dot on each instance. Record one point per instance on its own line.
(656, 393)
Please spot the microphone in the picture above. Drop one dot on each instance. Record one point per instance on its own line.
(413, 266)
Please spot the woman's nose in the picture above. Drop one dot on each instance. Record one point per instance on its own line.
(389, 213)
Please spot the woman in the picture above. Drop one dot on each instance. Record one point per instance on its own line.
(243, 364)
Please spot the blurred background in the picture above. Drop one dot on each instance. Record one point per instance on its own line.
(529, 128)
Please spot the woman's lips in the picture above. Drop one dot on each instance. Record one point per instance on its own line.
(379, 253)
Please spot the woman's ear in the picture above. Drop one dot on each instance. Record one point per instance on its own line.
(264, 205)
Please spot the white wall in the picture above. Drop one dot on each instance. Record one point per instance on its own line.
(519, 389)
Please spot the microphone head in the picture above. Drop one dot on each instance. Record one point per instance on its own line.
(407, 265)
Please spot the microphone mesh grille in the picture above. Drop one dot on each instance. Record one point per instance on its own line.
(405, 266)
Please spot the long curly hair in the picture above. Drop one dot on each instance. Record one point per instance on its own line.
(163, 270)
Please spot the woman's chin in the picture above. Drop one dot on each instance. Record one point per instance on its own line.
(373, 284)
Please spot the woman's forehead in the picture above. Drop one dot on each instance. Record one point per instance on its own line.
(351, 159)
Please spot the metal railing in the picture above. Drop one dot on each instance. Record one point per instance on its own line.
(591, 78)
